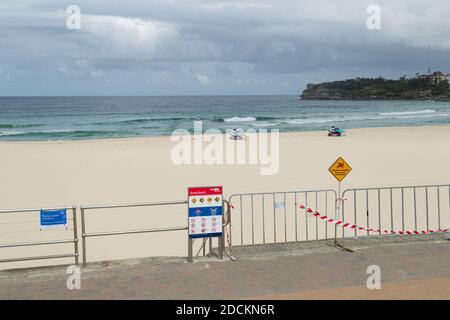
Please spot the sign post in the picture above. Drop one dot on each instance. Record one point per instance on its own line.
(205, 213)
(339, 169)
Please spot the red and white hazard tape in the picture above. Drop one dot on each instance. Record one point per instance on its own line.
(354, 226)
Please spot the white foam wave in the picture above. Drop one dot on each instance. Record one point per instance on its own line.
(399, 113)
(16, 133)
(10, 133)
(363, 118)
(307, 121)
(266, 124)
(425, 116)
(238, 119)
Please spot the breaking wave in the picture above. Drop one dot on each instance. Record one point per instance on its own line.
(399, 113)
(238, 119)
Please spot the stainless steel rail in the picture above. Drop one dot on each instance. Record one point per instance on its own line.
(73, 240)
(85, 234)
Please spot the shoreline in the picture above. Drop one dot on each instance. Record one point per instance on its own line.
(162, 137)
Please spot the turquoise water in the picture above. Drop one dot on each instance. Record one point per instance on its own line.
(68, 118)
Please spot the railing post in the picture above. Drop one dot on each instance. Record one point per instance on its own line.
(264, 219)
(221, 244)
(83, 237)
(439, 207)
(354, 211)
(190, 241)
(274, 220)
(392, 209)
(75, 234)
(295, 217)
(367, 211)
(228, 224)
(306, 217)
(190, 254)
(426, 208)
(253, 222)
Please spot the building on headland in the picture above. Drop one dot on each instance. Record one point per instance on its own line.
(434, 78)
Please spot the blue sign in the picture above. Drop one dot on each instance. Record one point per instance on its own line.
(53, 218)
(206, 211)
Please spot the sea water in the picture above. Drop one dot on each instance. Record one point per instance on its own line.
(69, 118)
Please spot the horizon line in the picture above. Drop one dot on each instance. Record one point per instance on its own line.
(145, 96)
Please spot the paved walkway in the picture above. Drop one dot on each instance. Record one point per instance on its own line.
(409, 270)
(429, 288)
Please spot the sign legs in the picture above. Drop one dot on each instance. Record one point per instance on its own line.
(190, 250)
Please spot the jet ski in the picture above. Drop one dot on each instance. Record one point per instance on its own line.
(335, 132)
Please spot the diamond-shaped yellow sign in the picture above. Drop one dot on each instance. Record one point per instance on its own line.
(340, 169)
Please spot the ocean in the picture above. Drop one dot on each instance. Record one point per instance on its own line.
(70, 118)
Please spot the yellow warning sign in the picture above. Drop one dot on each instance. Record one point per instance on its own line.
(340, 169)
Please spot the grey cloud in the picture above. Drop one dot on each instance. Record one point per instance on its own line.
(226, 44)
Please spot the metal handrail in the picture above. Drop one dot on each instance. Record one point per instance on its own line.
(38, 258)
(33, 210)
(38, 243)
(85, 235)
(397, 187)
(115, 233)
(130, 205)
(74, 240)
(281, 192)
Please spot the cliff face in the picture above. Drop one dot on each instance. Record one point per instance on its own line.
(377, 89)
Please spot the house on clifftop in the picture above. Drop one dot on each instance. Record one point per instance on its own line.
(435, 78)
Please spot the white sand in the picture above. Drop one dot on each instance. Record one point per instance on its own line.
(49, 174)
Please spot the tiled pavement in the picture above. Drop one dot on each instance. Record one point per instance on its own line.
(409, 269)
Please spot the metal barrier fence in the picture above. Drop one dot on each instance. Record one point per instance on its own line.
(86, 235)
(39, 239)
(273, 217)
(424, 207)
(36, 241)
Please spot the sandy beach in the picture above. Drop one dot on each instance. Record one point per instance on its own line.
(90, 172)
(53, 173)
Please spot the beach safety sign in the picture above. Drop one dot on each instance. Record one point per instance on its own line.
(205, 212)
(53, 219)
(340, 169)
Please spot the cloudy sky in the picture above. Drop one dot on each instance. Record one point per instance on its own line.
(213, 47)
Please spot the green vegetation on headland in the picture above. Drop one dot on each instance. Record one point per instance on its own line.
(433, 86)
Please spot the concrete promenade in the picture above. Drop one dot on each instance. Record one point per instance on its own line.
(411, 268)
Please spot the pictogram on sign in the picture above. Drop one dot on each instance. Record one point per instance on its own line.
(340, 169)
